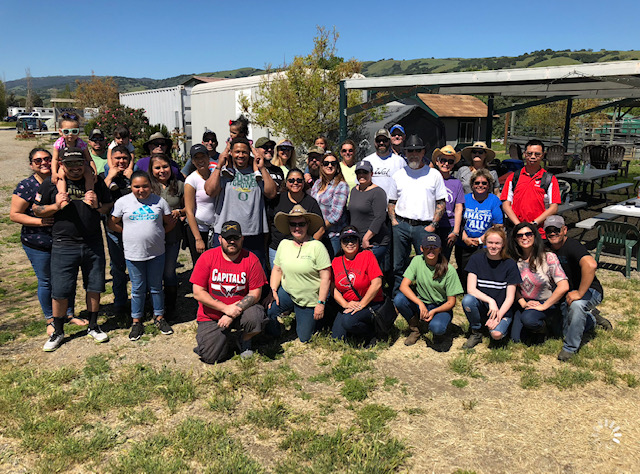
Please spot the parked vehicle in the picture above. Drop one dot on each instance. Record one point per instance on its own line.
(10, 118)
(30, 124)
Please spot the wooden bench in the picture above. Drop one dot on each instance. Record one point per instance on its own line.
(616, 187)
(590, 223)
(571, 206)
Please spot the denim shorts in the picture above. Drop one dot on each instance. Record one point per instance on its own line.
(65, 262)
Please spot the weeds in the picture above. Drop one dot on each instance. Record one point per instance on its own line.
(460, 383)
(374, 417)
(272, 417)
(356, 389)
(465, 364)
(565, 378)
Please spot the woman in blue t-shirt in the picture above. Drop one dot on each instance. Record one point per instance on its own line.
(482, 211)
(491, 288)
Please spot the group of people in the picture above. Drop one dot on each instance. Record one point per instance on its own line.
(329, 239)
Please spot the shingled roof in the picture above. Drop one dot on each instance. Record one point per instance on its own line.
(454, 105)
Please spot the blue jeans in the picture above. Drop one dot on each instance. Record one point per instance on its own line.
(476, 312)
(272, 257)
(305, 324)
(335, 244)
(380, 251)
(404, 236)
(408, 309)
(359, 323)
(533, 320)
(171, 252)
(577, 318)
(67, 259)
(146, 275)
(118, 269)
(41, 263)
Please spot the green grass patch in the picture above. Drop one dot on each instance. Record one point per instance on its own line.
(566, 378)
(498, 355)
(631, 380)
(374, 417)
(223, 402)
(272, 417)
(6, 336)
(356, 389)
(626, 330)
(133, 417)
(460, 383)
(529, 378)
(352, 363)
(465, 364)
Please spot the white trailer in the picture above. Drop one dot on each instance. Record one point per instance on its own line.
(170, 106)
(213, 104)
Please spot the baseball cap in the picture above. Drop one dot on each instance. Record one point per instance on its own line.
(383, 132)
(397, 127)
(96, 133)
(431, 240)
(554, 221)
(364, 165)
(315, 149)
(231, 229)
(198, 148)
(348, 232)
(72, 154)
(262, 141)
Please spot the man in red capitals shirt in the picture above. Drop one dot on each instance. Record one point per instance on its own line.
(227, 282)
(534, 197)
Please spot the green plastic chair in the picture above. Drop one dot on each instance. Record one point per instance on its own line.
(619, 234)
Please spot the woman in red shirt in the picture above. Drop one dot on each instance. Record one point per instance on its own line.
(358, 288)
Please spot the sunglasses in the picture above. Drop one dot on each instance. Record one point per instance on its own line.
(331, 163)
(552, 230)
(349, 240)
(528, 235)
(298, 224)
(270, 149)
(431, 248)
(295, 180)
(477, 152)
(362, 172)
(382, 140)
(70, 131)
(481, 183)
(210, 140)
(157, 143)
(346, 150)
(313, 158)
(446, 162)
(38, 161)
(285, 148)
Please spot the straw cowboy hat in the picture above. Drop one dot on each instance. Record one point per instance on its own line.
(466, 151)
(445, 151)
(157, 136)
(281, 220)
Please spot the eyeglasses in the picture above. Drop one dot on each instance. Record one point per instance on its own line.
(445, 162)
(347, 150)
(297, 224)
(397, 134)
(481, 183)
(528, 235)
(382, 140)
(552, 230)
(530, 154)
(313, 158)
(38, 161)
(70, 131)
(210, 140)
(295, 180)
(349, 240)
(478, 152)
(157, 143)
(285, 148)
(269, 149)
(331, 163)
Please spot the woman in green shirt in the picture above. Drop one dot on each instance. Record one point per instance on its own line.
(301, 274)
(431, 300)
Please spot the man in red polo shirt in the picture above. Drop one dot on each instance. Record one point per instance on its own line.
(534, 197)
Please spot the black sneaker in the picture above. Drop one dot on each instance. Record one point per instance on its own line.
(473, 341)
(137, 330)
(163, 326)
(565, 355)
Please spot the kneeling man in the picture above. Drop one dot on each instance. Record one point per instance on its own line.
(579, 312)
(227, 282)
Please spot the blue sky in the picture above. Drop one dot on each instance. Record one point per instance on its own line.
(160, 39)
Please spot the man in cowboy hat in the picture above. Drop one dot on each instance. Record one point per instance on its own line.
(157, 143)
(479, 155)
(398, 136)
(227, 283)
(384, 161)
(417, 202)
(535, 195)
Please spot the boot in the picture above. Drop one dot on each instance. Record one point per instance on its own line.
(414, 335)
(601, 321)
(170, 298)
(474, 339)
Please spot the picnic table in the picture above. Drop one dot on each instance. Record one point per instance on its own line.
(583, 179)
(626, 208)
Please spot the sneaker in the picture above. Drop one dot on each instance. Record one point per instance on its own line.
(98, 334)
(137, 330)
(246, 354)
(229, 173)
(163, 326)
(602, 322)
(565, 355)
(473, 341)
(113, 186)
(54, 342)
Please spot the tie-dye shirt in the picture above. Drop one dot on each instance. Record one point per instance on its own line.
(61, 144)
(539, 285)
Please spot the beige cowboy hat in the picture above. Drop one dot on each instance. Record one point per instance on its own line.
(157, 136)
(281, 220)
(466, 151)
(445, 151)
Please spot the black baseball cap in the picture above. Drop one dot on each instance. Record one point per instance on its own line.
(231, 229)
(198, 148)
(72, 154)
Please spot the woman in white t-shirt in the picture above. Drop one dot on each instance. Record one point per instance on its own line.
(199, 206)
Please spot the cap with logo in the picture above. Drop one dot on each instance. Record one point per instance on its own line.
(431, 240)
(72, 154)
(397, 127)
(231, 229)
(198, 148)
(364, 165)
(554, 221)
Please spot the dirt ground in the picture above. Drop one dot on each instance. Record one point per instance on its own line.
(491, 425)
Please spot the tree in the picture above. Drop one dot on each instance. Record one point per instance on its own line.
(97, 92)
(548, 119)
(28, 102)
(301, 100)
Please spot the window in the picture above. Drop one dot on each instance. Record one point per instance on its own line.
(465, 132)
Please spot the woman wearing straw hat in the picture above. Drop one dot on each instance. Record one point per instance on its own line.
(157, 143)
(449, 229)
(478, 155)
(301, 274)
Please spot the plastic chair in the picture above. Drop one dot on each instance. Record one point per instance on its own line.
(585, 155)
(515, 151)
(598, 156)
(617, 234)
(615, 157)
(555, 159)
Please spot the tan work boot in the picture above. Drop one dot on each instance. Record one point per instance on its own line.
(414, 335)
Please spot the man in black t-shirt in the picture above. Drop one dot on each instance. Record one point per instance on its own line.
(579, 311)
(77, 242)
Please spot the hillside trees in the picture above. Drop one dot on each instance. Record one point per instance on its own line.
(97, 92)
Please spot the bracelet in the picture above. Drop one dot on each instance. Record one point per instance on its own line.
(322, 302)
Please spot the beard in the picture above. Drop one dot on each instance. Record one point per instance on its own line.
(414, 164)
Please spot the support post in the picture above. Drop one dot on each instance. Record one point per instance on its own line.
(506, 128)
(489, 120)
(567, 124)
(343, 112)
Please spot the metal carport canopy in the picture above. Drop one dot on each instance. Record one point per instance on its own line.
(620, 79)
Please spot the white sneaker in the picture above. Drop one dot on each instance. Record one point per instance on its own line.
(53, 342)
(247, 354)
(98, 334)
